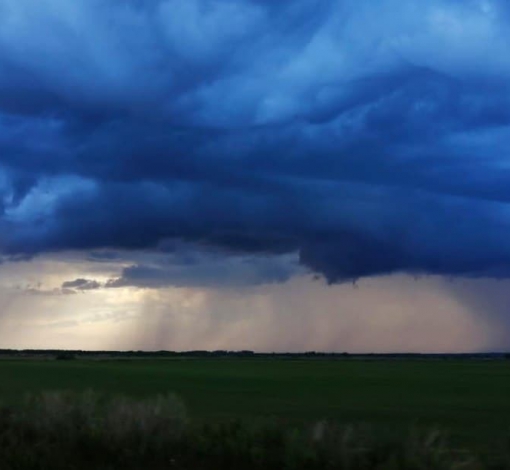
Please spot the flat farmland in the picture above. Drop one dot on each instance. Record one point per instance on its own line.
(470, 399)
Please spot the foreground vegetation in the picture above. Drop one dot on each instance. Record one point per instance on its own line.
(64, 431)
(254, 413)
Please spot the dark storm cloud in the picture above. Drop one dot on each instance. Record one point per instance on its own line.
(206, 270)
(370, 137)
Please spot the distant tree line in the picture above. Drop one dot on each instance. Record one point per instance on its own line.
(72, 354)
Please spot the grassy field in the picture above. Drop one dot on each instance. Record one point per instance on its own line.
(469, 399)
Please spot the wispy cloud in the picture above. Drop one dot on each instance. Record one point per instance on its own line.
(81, 284)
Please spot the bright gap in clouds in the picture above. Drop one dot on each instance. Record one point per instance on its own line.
(385, 314)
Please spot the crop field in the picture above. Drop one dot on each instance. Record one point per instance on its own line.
(469, 399)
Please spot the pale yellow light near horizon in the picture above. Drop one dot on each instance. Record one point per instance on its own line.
(386, 314)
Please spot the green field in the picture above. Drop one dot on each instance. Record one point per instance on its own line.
(469, 399)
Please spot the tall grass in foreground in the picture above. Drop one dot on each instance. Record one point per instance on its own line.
(63, 431)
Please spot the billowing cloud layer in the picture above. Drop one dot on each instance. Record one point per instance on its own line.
(369, 137)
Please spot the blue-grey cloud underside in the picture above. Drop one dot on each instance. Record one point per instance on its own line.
(370, 137)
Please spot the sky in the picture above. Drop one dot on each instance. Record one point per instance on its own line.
(251, 174)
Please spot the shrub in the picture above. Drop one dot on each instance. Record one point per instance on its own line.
(66, 431)
(64, 357)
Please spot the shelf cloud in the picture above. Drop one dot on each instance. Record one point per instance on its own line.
(362, 137)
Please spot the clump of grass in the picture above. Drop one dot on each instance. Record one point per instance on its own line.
(65, 431)
(119, 418)
(69, 430)
(358, 447)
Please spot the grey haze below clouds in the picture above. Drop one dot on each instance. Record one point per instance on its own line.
(369, 137)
